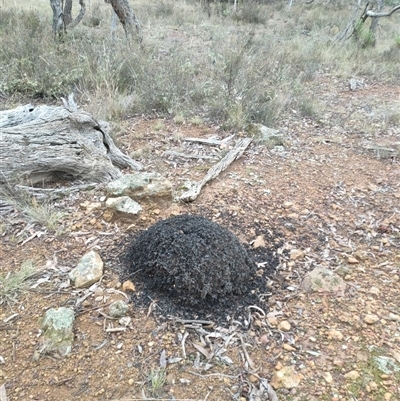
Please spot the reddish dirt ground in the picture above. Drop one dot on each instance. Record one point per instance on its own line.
(332, 192)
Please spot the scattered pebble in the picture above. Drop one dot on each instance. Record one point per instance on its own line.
(335, 335)
(288, 347)
(285, 378)
(327, 377)
(352, 375)
(296, 254)
(128, 286)
(371, 318)
(284, 326)
(352, 261)
(374, 290)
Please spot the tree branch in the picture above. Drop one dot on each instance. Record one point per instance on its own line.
(373, 14)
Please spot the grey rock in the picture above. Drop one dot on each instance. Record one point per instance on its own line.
(88, 271)
(118, 309)
(265, 136)
(58, 336)
(124, 206)
(322, 279)
(143, 187)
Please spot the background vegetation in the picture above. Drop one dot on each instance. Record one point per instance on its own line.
(236, 67)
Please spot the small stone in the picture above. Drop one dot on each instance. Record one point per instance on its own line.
(125, 206)
(143, 187)
(352, 375)
(278, 366)
(335, 335)
(387, 396)
(253, 378)
(128, 286)
(90, 206)
(394, 318)
(371, 318)
(327, 377)
(259, 242)
(264, 339)
(284, 326)
(293, 216)
(58, 336)
(361, 255)
(273, 321)
(125, 321)
(373, 386)
(288, 347)
(287, 205)
(108, 215)
(131, 381)
(296, 254)
(285, 378)
(88, 271)
(374, 290)
(324, 280)
(352, 261)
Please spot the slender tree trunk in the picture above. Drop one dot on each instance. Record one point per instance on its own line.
(62, 15)
(67, 12)
(58, 16)
(127, 18)
(375, 21)
(80, 15)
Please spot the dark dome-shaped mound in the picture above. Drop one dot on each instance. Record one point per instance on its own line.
(192, 259)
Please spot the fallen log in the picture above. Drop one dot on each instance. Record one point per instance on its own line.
(235, 153)
(51, 144)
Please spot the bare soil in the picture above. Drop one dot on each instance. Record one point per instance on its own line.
(332, 192)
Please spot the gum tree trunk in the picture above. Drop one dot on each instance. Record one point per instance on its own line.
(62, 15)
(127, 18)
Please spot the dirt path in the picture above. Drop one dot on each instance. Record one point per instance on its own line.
(333, 193)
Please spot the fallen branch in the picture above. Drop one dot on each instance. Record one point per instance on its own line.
(235, 153)
(186, 156)
(210, 141)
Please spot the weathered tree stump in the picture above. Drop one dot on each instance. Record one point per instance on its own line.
(48, 143)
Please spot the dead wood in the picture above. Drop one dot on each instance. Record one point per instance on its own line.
(209, 141)
(187, 156)
(235, 153)
(48, 143)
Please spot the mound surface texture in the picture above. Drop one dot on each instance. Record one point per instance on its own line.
(192, 259)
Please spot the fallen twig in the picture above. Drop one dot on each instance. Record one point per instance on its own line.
(183, 344)
(246, 355)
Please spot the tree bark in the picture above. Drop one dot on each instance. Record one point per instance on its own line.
(127, 18)
(67, 12)
(47, 143)
(362, 13)
(58, 16)
(62, 15)
(80, 15)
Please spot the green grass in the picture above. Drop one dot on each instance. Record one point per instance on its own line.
(156, 380)
(13, 283)
(233, 68)
(371, 372)
(44, 212)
